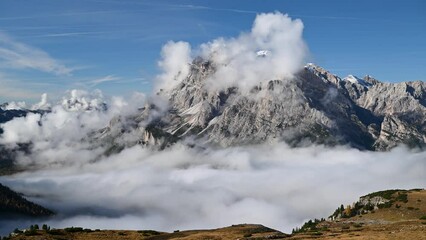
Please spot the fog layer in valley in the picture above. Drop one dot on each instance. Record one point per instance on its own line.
(182, 188)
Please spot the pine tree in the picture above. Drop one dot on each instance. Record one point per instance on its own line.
(348, 211)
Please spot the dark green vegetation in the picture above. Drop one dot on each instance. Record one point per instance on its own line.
(147, 233)
(393, 196)
(310, 226)
(13, 204)
(388, 194)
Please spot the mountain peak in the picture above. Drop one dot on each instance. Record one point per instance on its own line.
(355, 80)
(322, 73)
(314, 106)
(262, 53)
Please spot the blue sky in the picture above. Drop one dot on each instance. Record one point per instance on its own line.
(114, 45)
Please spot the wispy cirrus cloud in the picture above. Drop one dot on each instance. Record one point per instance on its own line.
(62, 14)
(108, 78)
(72, 34)
(199, 7)
(112, 79)
(14, 54)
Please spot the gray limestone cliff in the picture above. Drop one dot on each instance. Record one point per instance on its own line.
(315, 106)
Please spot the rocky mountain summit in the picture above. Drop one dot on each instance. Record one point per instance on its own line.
(393, 112)
(315, 106)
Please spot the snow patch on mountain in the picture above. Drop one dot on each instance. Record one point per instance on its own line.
(74, 100)
(13, 106)
(262, 53)
(355, 80)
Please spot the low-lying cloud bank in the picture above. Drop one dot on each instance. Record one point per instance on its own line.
(186, 188)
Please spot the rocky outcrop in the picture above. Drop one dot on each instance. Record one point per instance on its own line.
(374, 202)
(314, 106)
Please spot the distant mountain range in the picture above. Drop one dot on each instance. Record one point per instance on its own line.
(8, 114)
(315, 106)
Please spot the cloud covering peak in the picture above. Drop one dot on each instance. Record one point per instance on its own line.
(236, 60)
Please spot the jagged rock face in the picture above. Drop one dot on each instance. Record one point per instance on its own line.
(394, 113)
(395, 130)
(315, 105)
(144, 128)
(293, 110)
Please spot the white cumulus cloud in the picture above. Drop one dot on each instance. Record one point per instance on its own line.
(236, 60)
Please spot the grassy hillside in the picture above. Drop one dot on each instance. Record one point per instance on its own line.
(244, 231)
(13, 204)
(402, 217)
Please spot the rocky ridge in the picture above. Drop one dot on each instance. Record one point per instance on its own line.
(315, 106)
(394, 113)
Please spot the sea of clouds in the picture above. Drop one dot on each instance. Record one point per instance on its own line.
(187, 188)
